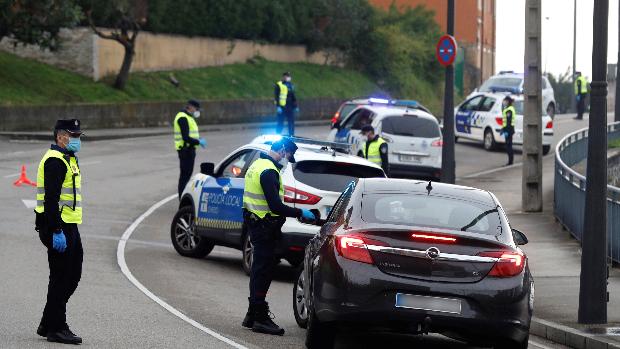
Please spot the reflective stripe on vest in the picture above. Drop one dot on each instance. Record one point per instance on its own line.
(504, 116)
(584, 85)
(283, 93)
(374, 151)
(253, 195)
(193, 130)
(70, 205)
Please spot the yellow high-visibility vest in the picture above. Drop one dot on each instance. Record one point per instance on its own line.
(584, 85)
(70, 203)
(374, 151)
(193, 130)
(505, 117)
(253, 195)
(283, 93)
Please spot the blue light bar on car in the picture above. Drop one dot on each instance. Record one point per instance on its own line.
(378, 100)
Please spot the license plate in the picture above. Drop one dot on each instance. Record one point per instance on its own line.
(410, 158)
(436, 304)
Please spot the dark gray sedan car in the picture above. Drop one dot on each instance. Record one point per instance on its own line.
(416, 257)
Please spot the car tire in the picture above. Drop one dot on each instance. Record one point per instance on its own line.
(247, 255)
(300, 309)
(489, 140)
(546, 149)
(184, 238)
(318, 335)
(456, 139)
(295, 262)
(511, 344)
(551, 110)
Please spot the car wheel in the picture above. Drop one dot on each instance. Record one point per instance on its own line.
(511, 344)
(546, 149)
(318, 335)
(247, 250)
(184, 237)
(489, 140)
(551, 110)
(299, 300)
(295, 262)
(456, 139)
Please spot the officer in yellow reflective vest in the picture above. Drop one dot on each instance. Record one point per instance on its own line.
(264, 214)
(375, 149)
(508, 126)
(58, 213)
(286, 103)
(186, 140)
(581, 92)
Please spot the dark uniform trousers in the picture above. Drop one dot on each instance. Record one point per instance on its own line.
(264, 236)
(509, 149)
(187, 155)
(65, 274)
(289, 115)
(581, 105)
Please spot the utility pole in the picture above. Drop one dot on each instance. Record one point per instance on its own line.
(447, 151)
(531, 188)
(574, 49)
(617, 95)
(593, 294)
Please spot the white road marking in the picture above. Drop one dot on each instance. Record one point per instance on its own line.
(90, 162)
(120, 256)
(12, 175)
(540, 345)
(30, 203)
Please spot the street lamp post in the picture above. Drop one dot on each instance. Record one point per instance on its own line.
(593, 294)
(447, 152)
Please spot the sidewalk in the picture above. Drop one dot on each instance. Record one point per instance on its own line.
(555, 260)
(117, 133)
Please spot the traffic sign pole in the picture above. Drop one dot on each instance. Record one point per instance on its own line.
(446, 53)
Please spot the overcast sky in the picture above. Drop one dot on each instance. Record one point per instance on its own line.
(557, 35)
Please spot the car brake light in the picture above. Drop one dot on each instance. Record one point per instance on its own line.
(353, 247)
(508, 263)
(421, 235)
(295, 196)
(549, 124)
(499, 120)
(437, 143)
(335, 117)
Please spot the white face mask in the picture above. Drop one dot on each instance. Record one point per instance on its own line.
(196, 114)
(287, 79)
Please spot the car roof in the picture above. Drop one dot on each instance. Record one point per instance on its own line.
(392, 185)
(388, 110)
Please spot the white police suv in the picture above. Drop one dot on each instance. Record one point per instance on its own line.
(479, 118)
(210, 211)
(411, 131)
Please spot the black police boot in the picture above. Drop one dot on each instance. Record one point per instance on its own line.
(263, 321)
(248, 321)
(42, 331)
(64, 336)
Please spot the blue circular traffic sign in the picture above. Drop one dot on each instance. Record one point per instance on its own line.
(446, 50)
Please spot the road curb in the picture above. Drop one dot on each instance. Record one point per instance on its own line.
(109, 134)
(568, 336)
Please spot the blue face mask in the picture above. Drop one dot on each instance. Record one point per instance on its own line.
(74, 145)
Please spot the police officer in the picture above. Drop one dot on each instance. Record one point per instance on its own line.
(508, 126)
(264, 214)
(58, 213)
(286, 103)
(186, 140)
(375, 148)
(581, 92)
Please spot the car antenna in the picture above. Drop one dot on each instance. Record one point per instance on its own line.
(429, 187)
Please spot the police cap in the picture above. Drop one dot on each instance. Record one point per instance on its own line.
(194, 103)
(367, 128)
(288, 145)
(70, 125)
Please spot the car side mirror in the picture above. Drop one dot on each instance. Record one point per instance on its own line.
(207, 168)
(520, 238)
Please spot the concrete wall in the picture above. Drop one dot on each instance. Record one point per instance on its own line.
(85, 53)
(95, 116)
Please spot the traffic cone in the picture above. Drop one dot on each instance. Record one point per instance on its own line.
(23, 179)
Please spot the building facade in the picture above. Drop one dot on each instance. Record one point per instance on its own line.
(474, 30)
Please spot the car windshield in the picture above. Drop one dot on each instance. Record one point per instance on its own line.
(332, 176)
(501, 82)
(423, 210)
(411, 126)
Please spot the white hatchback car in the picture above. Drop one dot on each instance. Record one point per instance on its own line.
(211, 208)
(411, 131)
(511, 82)
(480, 118)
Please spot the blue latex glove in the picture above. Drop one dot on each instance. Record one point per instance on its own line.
(279, 110)
(307, 214)
(297, 110)
(203, 143)
(59, 242)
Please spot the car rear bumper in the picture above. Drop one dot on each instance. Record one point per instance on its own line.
(415, 171)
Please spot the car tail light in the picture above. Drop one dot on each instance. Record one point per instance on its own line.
(509, 263)
(295, 196)
(549, 124)
(437, 143)
(353, 247)
(335, 117)
(499, 120)
(432, 237)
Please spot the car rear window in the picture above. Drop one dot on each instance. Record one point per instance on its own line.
(505, 82)
(410, 126)
(346, 110)
(332, 176)
(421, 210)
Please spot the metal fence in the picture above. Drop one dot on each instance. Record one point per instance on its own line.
(569, 189)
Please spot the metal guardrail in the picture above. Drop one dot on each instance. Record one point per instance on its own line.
(570, 189)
